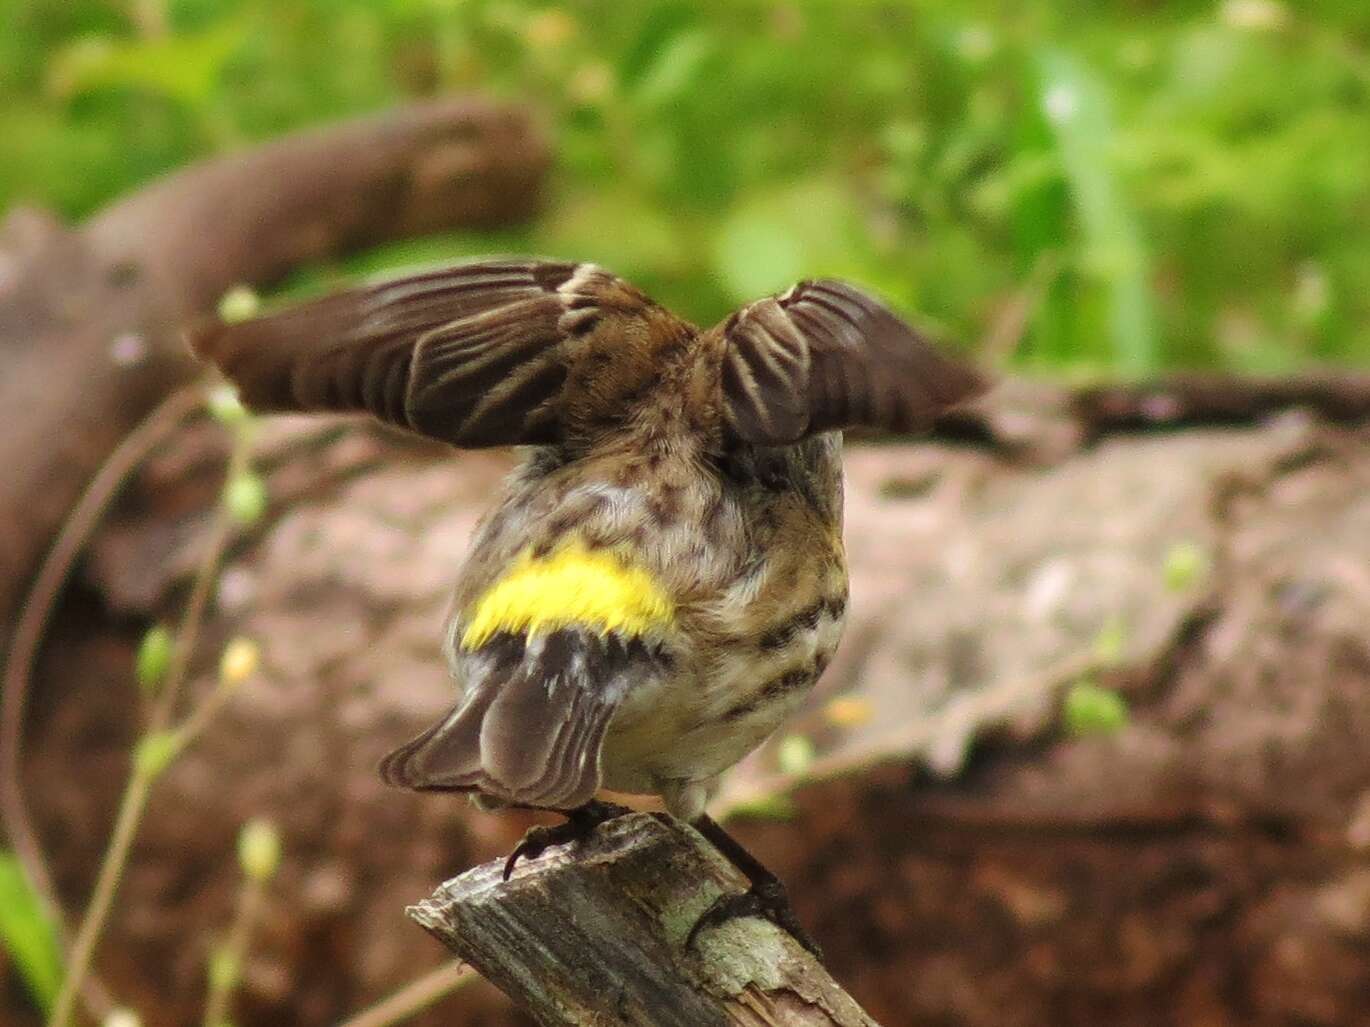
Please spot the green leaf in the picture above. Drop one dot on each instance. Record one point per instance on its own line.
(618, 230)
(185, 68)
(1091, 710)
(779, 236)
(677, 68)
(1077, 110)
(27, 934)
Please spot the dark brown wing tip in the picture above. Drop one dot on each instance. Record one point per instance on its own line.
(945, 379)
(964, 382)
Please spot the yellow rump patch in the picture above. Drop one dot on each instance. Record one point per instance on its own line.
(572, 586)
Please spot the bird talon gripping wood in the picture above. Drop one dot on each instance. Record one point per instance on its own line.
(663, 579)
(578, 826)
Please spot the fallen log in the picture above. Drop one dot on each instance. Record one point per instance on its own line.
(90, 317)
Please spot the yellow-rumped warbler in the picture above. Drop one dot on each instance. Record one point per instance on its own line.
(663, 579)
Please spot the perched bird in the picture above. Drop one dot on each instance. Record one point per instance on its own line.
(663, 579)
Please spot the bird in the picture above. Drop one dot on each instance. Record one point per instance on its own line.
(663, 578)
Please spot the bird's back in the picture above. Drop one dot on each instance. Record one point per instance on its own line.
(687, 600)
(664, 579)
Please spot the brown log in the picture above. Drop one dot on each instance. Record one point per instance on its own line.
(595, 933)
(90, 317)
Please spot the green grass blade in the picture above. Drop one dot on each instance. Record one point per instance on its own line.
(27, 934)
(1077, 109)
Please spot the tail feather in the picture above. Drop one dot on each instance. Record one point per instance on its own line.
(528, 734)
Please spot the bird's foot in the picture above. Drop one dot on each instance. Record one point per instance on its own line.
(766, 898)
(579, 824)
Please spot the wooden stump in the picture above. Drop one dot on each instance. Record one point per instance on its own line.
(595, 934)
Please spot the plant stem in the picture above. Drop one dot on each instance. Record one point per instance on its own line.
(140, 781)
(106, 885)
(415, 996)
(235, 950)
(201, 592)
(33, 619)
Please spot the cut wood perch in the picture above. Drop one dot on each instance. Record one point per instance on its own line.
(595, 934)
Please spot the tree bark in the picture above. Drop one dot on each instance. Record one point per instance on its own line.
(595, 934)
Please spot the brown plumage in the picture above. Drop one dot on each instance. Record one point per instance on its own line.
(663, 579)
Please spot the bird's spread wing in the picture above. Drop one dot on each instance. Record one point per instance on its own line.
(529, 728)
(825, 356)
(475, 355)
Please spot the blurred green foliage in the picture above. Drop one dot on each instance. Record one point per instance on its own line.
(26, 933)
(1089, 187)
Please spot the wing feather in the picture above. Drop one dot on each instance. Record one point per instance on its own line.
(826, 356)
(475, 355)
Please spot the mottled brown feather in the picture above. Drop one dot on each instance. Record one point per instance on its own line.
(826, 356)
(476, 355)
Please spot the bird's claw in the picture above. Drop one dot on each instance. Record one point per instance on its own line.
(766, 899)
(579, 824)
(535, 842)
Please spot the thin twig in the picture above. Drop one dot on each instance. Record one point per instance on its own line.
(190, 729)
(234, 950)
(106, 884)
(164, 707)
(28, 633)
(143, 774)
(415, 997)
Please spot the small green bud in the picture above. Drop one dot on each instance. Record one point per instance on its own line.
(238, 304)
(154, 657)
(223, 970)
(155, 752)
(225, 406)
(1090, 709)
(259, 849)
(1184, 564)
(795, 754)
(122, 1018)
(1111, 641)
(245, 496)
(239, 661)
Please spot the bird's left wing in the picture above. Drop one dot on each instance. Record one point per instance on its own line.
(825, 356)
(475, 355)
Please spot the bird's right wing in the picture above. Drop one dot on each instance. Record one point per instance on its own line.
(475, 355)
(825, 356)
